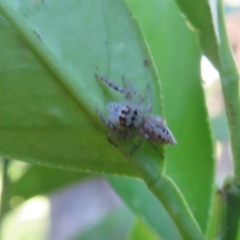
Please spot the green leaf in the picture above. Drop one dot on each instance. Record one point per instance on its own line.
(116, 225)
(41, 180)
(141, 232)
(177, 56)
(54, 105)
(48, 90)
(201, 19)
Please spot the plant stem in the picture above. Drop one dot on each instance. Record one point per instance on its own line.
(171, 198)
(173, 201)
(230, 87)
(4, 193)
(232, 210)
(217, 224)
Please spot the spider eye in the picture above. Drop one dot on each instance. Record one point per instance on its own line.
(125, 110)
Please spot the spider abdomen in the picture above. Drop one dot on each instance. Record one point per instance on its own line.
(154, 128)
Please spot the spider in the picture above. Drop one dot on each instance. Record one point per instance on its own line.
(130, 118)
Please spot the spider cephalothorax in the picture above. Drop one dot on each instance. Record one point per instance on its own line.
(131, 118)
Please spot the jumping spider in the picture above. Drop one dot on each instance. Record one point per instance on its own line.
(130, 118)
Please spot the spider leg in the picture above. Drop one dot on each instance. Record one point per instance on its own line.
(136, 146)
(133, 90)
(145, 136)
(154, 147)
(149, 99)
(110, 140)
(113, 85)
(106, 122)
(120, 133)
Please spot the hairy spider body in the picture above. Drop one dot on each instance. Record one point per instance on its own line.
(125, 116)
(155, 129)
(131, 118)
